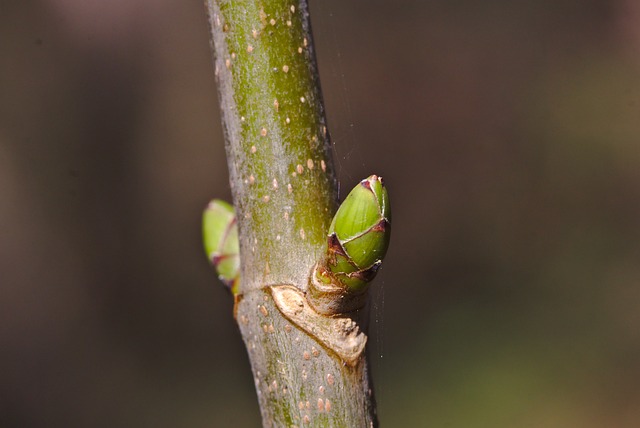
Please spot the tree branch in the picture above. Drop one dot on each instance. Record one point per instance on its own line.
(309, 369)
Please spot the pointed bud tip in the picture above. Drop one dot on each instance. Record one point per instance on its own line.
(219, 204)
(372, 180)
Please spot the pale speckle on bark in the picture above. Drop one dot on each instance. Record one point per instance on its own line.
(330, 379)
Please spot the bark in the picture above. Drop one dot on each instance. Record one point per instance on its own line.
(309, 369)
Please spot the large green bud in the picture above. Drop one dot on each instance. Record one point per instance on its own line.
(220, 237)
(357, 242)
(359, 234)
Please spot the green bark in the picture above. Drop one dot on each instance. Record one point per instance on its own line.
(277, 142)
(309, 369)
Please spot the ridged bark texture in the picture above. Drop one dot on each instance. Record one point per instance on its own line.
(283, 185)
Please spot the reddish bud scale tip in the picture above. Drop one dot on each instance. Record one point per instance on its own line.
(382, 226)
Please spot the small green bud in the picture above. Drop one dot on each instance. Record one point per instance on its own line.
(359, 234)
(220, 237)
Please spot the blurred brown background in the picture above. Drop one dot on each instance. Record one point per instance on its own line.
(508, 134)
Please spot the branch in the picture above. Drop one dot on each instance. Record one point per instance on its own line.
(277, 143)
(309, 368)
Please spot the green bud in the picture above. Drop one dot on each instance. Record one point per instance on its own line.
(359, 234)
(220, 236)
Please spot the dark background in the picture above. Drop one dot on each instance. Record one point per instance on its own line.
(507, 132)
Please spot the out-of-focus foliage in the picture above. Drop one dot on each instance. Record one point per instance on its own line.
(507, 132)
